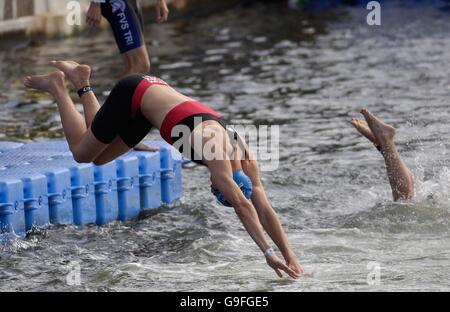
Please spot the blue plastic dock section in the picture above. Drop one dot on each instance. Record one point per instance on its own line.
(41, 184)
(149, 180)
(12, 214)
(128, 187)
(171, 176)
(107, 204)
(32, 196)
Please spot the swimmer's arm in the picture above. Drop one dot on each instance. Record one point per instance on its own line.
(248, 216)
(268, 217)
(243, 208)
(270, 221)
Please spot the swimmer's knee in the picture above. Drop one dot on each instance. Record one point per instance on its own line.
(99, 162)
(81, 158)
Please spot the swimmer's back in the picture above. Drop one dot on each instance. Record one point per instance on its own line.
(160, 100)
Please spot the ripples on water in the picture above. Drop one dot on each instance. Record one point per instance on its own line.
(308, 73)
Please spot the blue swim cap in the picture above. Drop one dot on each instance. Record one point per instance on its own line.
(244, 183)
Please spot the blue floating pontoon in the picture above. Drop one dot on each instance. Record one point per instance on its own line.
(171, 164)
(41, 184)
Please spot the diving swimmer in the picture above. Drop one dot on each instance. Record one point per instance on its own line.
(139, 103)
(382, 136)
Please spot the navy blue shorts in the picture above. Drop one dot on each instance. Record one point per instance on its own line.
(125, 19)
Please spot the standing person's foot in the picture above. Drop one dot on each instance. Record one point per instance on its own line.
(383, 133)
(363, 128)
(46, 83)
(78, 74)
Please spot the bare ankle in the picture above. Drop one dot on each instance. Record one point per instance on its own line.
(58, 90)
(388, 149)
(81, 84)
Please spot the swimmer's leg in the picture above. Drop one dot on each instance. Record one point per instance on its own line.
(80, 75)
(113, 151)
(363, 128)
(83, 144)
(400, 177)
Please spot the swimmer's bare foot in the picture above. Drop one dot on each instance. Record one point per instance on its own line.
(50, 83)
(363, 128)
(383, 133)
(145, 148)
(78, 74)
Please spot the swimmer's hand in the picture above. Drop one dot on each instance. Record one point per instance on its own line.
(94, 15)
(162, 11)
(295, 265)
(275, 263)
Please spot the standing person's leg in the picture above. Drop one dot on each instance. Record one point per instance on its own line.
(136, 61)
(123, 16)
(83, 144)
(382, 135)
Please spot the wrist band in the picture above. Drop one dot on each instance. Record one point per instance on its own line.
(85, 90)
(268, 251)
